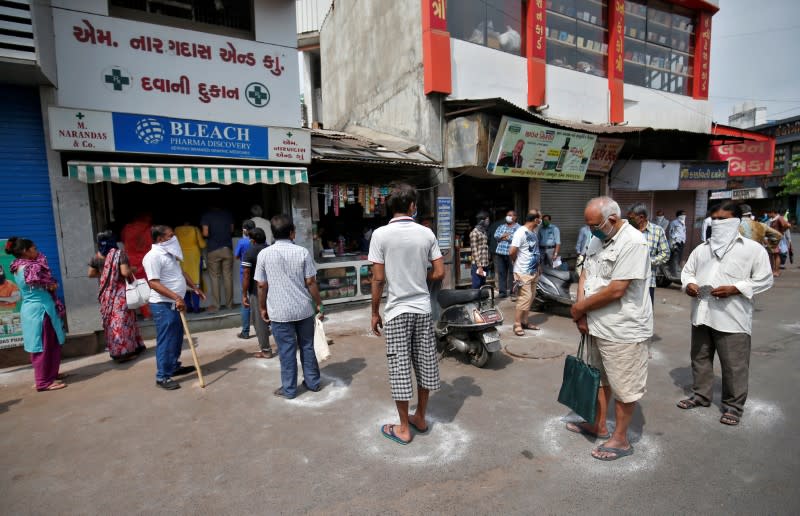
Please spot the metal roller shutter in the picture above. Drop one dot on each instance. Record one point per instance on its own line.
(26, 207)
(564, 201)
(627, 198)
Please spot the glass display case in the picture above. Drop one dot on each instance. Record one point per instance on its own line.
(659, 46)
(577, 37)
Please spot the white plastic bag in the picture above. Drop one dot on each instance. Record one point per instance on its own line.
(321, 349)
(137, 294)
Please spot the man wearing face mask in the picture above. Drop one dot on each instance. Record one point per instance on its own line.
(168, 284)
(656, 242)
(502, 260)
(549, 239)
(479, 245)
(722, 276)
(525, 254)
(612, 310)
(676, 233)
(661, 220)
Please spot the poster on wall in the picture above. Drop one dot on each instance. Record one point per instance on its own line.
(111, 64)
(605, 154)
(10, 321)
(444, 222)
(522, 149)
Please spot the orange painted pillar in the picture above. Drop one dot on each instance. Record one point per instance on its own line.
(536, 52)
(436, 47)
(616, 61)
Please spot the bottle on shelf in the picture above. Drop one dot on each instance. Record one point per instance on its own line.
(562, 156)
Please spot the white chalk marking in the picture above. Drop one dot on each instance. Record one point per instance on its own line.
(445, 442)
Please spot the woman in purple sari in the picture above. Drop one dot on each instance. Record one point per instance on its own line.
(41, 312)
(123, 340)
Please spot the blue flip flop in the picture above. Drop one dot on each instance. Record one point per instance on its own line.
(416, 428)
(618, 453)
(392, 436)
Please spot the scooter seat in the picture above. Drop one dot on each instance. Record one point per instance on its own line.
(450, 297)
(556, 273)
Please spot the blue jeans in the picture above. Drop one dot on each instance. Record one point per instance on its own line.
(289, 336)
(169, 339)
(477, 281)
(246, 320)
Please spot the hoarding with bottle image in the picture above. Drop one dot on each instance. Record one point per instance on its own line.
(10, 322)
(522, 149)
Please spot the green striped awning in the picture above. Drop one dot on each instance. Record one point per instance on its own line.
(180, 174)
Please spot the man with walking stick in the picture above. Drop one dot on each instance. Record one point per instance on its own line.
(168, 285)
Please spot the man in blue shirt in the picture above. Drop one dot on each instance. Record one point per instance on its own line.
(502, 261)
(241, 249)
(549, 239)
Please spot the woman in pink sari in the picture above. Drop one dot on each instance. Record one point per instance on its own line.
(123, 340)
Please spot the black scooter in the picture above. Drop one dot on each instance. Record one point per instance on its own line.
(468, 323)
(552, 291)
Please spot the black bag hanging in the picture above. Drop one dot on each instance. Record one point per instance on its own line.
(580, 385)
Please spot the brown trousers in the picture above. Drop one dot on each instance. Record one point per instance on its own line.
(734, 357)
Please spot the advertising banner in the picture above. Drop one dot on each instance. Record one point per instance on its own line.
(522, 149)
(111, 64)
(73, 129)
(10, 322)
(746, 158)
(703, 175)
(605, 154)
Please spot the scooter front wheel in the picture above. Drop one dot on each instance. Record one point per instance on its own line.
(481, 358)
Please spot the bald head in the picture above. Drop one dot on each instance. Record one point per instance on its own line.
(603, 213)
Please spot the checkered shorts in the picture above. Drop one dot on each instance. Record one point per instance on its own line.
(410, 341)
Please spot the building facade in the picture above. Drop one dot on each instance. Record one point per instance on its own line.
(164, 107)
(632, 76)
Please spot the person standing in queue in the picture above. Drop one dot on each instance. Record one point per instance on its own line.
(479, 245)
(217, 227)
(502, 260)
(525, 255)
(549, 240)
(612, 309)
(168, 283)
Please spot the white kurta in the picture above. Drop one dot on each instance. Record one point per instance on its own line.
(746, 266)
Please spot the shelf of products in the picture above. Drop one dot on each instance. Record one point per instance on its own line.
(576, 29)
(337, 282)
(659, 42)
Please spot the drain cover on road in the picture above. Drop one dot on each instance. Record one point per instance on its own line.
(535, 348)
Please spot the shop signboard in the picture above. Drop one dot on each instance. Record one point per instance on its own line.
(111, 64)
(444, 222)
(529, 150)
(605, 154)
(751, 158)
(10, 321)
(86, 130)
(703, 175)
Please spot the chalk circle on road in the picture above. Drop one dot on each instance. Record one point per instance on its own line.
(535, 349)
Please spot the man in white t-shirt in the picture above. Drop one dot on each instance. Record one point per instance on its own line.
(406, 256)
(614, 309)
(168, 284)
(524, 252)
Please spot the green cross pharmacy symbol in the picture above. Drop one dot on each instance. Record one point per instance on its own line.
(257, 94)
(116, 79)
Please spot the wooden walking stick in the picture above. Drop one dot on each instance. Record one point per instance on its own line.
(191, 347)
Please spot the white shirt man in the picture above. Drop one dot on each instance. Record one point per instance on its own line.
(722, 275)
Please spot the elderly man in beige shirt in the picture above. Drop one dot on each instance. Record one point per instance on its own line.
(614, 309)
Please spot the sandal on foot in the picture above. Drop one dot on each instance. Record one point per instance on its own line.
(418, 429)
(518, 331)
(388, 432)
(530, 327)
(618, 453)
(53, 387)
(690, 403)
(730, 419)
(579, 429)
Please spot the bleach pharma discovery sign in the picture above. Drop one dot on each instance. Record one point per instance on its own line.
(529, 150)
(85, 130)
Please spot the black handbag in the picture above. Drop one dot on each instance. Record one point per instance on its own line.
(580, 385)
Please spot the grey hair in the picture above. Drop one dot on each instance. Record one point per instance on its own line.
(639, 209)
(607, 205)
(255, 210)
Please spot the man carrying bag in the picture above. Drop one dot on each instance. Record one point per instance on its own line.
(613, 309)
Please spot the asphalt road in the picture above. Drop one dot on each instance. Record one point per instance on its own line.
(112, 443)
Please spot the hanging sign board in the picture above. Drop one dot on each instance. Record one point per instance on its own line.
(522, 149)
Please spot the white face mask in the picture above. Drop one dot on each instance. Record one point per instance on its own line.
(509, 219)
(722, 234)
(682, 218)
(173, 247)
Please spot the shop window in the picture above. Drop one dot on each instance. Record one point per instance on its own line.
(659, 46)
(577, 35)
(221, 13)
(492, 23)
(337, 283)
(780, 159)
